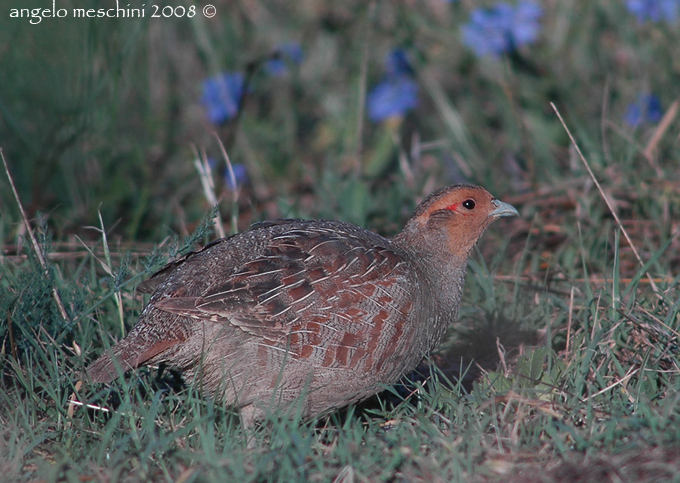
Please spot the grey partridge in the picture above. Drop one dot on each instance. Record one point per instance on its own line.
(318, 314)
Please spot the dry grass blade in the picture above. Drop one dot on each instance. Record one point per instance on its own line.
(34, 242)
(571, 312)
(658, 321)
(548, 407)
(235, 188)
(208, 185)
(73, 403)
(665, 123)
(346, 475)
(604, 197)
(631, 372)
(600, 280)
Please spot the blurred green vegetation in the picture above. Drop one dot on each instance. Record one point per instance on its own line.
(563, 353)
(102, 114)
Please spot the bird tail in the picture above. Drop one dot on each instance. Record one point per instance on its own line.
(130, 353)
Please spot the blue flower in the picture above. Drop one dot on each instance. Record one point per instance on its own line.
(647, 109)
(240, 175)
(503, 28)
(393, 97)
(288, 52)
(397, 63)
(397, 93)
(222, 96)
(654, 10)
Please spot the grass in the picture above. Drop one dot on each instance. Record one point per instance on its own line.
(563, 364)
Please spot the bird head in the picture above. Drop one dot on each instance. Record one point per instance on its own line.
(452, 219)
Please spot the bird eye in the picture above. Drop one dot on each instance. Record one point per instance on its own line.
(469, 204)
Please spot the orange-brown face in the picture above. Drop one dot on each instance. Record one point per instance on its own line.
(458, 215)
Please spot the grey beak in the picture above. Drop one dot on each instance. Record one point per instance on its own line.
(503, 209)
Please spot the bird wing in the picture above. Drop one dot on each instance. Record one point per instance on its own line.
(159, 277)
(301, 277)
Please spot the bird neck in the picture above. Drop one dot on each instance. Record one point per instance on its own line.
(440, 280)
